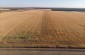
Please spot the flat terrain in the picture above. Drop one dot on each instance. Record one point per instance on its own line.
(40, 51)
(35, 28)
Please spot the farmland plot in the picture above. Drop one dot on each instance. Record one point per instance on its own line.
(35, 28)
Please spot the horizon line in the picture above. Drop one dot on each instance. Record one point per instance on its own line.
(42, 7)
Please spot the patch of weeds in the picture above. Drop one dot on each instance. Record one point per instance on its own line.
(26, 36)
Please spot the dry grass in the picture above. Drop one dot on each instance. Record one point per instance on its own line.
(35, 28)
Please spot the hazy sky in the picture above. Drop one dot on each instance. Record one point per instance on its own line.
(43, 3)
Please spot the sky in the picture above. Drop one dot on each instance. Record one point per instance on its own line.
(43, 3)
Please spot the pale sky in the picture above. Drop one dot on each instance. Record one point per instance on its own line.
(43, 3)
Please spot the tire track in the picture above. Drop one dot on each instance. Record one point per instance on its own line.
(47, 26)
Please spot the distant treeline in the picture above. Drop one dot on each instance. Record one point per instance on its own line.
(53, 9)
(68, 9)
(65, 9)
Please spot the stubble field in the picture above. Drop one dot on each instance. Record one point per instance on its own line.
(35, 28)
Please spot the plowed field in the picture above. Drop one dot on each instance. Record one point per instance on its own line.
(35, 28)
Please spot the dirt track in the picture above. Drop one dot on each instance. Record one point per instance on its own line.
(41, 51)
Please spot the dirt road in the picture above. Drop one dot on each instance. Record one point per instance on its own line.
(40, 51)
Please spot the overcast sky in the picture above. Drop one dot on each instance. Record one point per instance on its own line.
(43, 3)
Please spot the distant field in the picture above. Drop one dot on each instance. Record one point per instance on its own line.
(35, 28)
